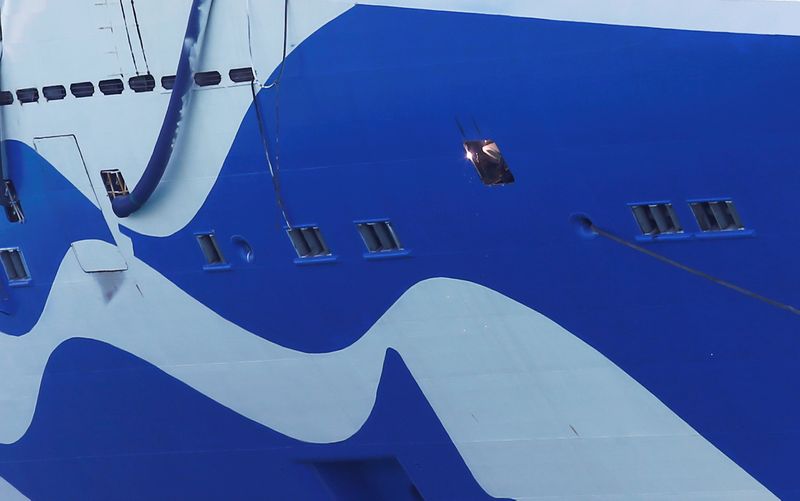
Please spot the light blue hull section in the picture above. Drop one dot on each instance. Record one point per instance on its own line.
(591, 118)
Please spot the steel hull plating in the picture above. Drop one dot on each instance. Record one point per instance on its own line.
(503, 352)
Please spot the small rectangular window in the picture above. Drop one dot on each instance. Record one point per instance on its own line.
(379, 236)
(82, 89)
(54, 92)
(111, 87)
(6, 98)
(239, 75)
(308, 242)
(656, 219)
(717, 215)
(114, 183)
(14, 265)
(207, 78)
(30, 95)
(142, 83)
(168, 82)
(489, 162)
(211, 251)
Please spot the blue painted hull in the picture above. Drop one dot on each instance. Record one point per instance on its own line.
(368, 123)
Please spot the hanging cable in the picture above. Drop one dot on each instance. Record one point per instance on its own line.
(588, 225)
(126, 205)
(276, 183)
(278, 79)
(274, 168)
(285, 44)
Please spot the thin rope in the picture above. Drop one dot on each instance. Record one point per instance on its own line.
(723, 283)
(274, 170)
(276, 183)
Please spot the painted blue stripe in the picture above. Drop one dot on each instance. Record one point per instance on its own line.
(56, 215)
(590, 119)
(110, 426)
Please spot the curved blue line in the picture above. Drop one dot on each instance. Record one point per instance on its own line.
(162, 152)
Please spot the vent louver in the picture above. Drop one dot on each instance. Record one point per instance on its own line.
(211, 251)
(656, 219)
(379, 236)
(14, 265)
(718, 215)
(308, 242)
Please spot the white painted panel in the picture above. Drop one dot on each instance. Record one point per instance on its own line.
(49, 42)
(63, 153)
(94, 256)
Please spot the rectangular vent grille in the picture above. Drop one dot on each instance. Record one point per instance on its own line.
(211, 251)
(14, 265)
(379, 236)
(114, 183)
(720, 215)
(308, 242)
(656, 219)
